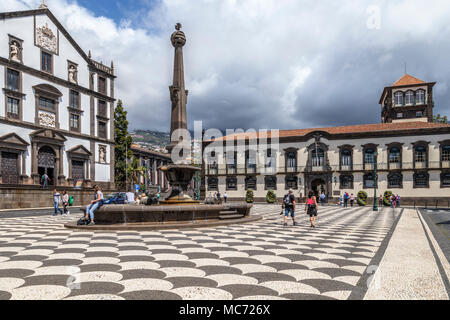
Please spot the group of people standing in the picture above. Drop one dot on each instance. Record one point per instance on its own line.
(345, 199)
(394, 201)
(217, 197)
(61, 200)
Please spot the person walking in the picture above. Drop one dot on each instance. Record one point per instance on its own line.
(380, 201)
(393, 199)
(65, 202)
(56, 201)
(95, 204)
(289, 207)
(219, 197)
(346, 197)
(398, 201)
(352, 200)
(311, 209)
(322, 199)
(45, 179)
(225, 197)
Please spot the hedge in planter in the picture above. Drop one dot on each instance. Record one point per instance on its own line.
(271, 197)
(387, 198)
(249, 196)
(362, 198)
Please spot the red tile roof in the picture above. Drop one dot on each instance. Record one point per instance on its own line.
(148, 151)
(407, 80)
(366, 128)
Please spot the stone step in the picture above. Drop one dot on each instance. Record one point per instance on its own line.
(230, 217)
(228, 212)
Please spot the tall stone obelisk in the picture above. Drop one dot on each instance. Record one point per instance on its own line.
(178, 93)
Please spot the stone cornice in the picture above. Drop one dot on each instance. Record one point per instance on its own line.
(66, 133)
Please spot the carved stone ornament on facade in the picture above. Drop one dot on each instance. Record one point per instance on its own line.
(73, 74)
(102, 153)
(14, 51)
(46, 39)
(47, 119)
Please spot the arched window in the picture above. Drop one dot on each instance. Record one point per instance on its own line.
(421, 180)
(250, 183)
(395, 180)
(369, 156)
(270, 158)
(394, 155)
(231, 162)
(398, 97)
(409, 98)
(318, 158)
(445, 179)
(231, 183)
(291, 158)
(251, 161)
(291, 182)
(420, 153)
(369, 181)
(346, 158)
(346, 182)
(420, 97)
(446, 153)
(213, 184)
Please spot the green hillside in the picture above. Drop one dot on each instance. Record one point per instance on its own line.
(151, 137)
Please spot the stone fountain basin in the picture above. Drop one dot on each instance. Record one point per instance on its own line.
(124, 214)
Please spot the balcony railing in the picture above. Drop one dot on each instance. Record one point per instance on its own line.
(382, 166)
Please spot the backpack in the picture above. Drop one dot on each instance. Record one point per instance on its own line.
(71, 200)
(83, 222)
(287, 200)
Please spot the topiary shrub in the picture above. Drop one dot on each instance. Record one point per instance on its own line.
(249, 196)
(271, 197)
(387, 198)
(362, 198)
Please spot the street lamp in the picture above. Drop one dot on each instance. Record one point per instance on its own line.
(375, 179)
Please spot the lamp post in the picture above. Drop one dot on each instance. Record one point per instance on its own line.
(375, 179)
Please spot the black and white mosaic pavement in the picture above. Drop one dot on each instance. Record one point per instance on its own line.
(40, 259)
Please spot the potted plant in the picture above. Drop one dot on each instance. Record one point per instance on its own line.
(362, 198)
(387, 198)
(271, 197)
(249, 197)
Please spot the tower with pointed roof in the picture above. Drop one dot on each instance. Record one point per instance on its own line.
(408, 99)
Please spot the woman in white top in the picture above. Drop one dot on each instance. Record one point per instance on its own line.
(65, 202)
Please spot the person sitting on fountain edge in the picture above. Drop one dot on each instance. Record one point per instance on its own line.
(95, 204)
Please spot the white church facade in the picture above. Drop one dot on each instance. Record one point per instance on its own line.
(56, 105)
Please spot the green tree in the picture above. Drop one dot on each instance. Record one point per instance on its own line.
(440, 119)
(134, 171)
(122, 145)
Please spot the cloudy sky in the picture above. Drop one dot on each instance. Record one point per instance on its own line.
(263, 63)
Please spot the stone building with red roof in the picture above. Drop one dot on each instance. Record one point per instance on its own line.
(411, 152)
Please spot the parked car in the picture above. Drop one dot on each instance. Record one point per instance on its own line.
(115, 198)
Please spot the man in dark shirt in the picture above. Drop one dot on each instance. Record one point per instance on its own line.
(289, 207)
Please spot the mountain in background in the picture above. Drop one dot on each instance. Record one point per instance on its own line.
(151, 139)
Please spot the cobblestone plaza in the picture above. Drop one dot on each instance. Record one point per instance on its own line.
(40, 259)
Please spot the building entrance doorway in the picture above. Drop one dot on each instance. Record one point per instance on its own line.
(46, 164)
(319, 186)
(10, 173)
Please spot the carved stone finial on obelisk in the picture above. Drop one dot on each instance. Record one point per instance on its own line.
(178, 93)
